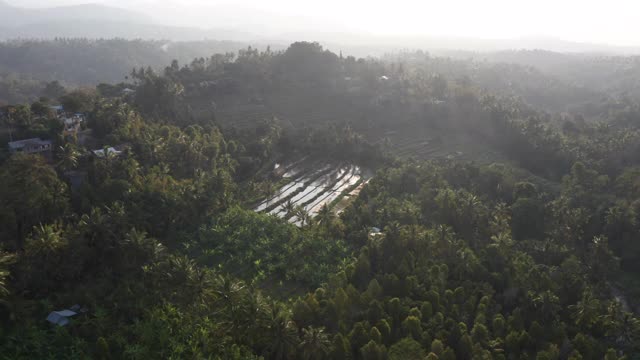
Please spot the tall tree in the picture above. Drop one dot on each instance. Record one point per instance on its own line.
(315, 343)
(31, 193)
(5, 260)
(68, 157)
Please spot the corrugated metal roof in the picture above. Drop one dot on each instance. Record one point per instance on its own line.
(22, 143)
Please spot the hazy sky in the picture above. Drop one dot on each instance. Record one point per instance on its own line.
(612, 21)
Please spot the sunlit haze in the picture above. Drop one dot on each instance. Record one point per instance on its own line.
(612, 22)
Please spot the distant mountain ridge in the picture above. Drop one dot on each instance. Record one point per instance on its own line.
(96, 21)
(104, 29)
(13, 16)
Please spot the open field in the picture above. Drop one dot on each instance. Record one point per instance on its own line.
(312, 187)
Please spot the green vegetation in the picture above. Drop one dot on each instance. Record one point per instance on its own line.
(28, 66)
(532, 258)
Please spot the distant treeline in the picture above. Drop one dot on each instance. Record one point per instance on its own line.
(549, 81)
(26, 65)
(617, 75)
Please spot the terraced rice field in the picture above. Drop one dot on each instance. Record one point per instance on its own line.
(348, 198)
(311, 190)
(433, 144)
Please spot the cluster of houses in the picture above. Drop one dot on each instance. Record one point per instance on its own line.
(72, 122)
(72, 126)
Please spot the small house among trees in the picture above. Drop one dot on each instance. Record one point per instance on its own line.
(60, 318)
(106, 152)
(31, 146)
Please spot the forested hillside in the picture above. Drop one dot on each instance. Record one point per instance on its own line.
(493, 227)
(616, 75)
(27, 65)
(550, 81)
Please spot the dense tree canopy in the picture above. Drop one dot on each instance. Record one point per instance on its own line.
(144, 219)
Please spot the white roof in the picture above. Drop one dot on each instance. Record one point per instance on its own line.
(60, 318)
(100, 153)
(375, 232)
(66, 313)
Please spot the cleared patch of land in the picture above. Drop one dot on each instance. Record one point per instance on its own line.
(311, 190)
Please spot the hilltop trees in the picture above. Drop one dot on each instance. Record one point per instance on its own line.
(53, 90)
(307, 63)
(159, 96)
(78, 101)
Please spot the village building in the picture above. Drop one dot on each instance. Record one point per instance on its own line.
(72, 124)
(375, 231)
(109, 151)
(61, 318)
(128, 93)
(31, 146)
(57, 109)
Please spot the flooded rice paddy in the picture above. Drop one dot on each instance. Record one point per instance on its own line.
(311, 188)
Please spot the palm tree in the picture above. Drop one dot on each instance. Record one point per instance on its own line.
(108, 156)
(315, 343)
(254, 311)
(325, 215)
(306, 218)
(230, 293)
(5, 262)
(546, 304)
(393, 230)
(68, 155)
(502, 239)
(283, 334)
(303, 215)
(191, 281)
(141, 248)
(620, 325)
(45, 239)
(289, 207)
(585, 312)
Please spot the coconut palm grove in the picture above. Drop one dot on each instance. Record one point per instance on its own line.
(303, 203)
